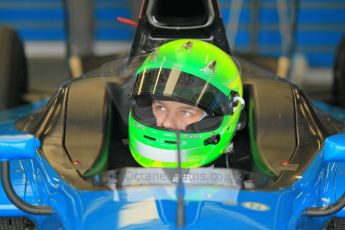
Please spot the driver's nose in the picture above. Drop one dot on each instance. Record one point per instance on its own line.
(169, 122)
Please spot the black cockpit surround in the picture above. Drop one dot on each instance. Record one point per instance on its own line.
(285, 131)
(271, 123)
(75, 130)
(87, 126)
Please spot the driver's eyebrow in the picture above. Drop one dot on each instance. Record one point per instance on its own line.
(189, 107)
(186, 107)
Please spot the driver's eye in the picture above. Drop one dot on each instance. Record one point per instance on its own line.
(160, 108)
(186, 113)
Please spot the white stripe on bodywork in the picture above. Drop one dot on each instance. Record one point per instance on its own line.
(162, 155)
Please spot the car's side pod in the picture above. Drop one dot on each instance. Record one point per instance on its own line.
(17, 147)
(333, 150)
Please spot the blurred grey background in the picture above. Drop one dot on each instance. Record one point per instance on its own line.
(252, 26)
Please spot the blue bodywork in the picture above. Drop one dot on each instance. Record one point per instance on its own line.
(153, 207)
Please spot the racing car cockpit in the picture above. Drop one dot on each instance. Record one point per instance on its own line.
(84, 128)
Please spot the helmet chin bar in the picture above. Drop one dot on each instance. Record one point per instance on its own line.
(206, 124)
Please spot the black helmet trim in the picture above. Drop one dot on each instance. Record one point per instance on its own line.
(183, 86)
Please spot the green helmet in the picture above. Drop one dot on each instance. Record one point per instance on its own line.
(191, 72)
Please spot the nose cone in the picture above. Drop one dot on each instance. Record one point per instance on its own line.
(144, 209)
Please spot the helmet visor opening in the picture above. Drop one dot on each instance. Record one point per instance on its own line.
(142, 111)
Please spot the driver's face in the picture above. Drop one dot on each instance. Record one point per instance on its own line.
(175, 115)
